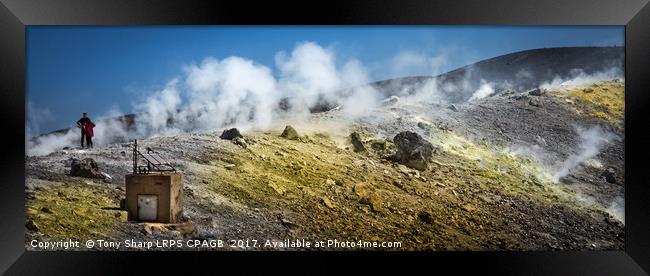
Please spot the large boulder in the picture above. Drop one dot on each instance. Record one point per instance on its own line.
(230, 134)
(85, 168)
(357, 145)
(412, 150)
(289, 133)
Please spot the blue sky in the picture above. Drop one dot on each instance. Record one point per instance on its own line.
(96, 69)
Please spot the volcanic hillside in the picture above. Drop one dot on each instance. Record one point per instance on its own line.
(523, 170)
(515, 71)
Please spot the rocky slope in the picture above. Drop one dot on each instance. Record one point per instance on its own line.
(492, 181)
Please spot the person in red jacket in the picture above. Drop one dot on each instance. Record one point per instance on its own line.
(86, 126)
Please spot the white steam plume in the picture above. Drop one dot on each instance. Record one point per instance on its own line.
(155, 111)
(617, 209)
(107, 130)
(307, 74)
(48, 143)
(233, 91)
(592, 141)
(361, 97)
(483, 91)
(579, 77)
(237, 92)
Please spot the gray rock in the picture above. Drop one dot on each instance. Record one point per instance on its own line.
(412, 150)
(609, 175)
(424, 126)
(230, 134)
(453, 107)
(536, 92)
(85, 168)
(290, 133)
(240, 142)
(357, 145)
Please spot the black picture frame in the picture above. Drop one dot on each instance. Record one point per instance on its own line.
(15, 15)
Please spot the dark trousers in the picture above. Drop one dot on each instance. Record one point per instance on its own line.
(88, 138)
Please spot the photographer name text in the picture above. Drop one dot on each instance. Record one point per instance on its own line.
(207, 244)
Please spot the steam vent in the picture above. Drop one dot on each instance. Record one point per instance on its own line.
(153, 190)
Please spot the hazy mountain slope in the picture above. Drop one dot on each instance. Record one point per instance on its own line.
(517, 71)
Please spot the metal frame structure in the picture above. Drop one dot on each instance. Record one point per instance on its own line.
(155, 163)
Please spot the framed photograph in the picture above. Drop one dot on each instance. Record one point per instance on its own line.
(508, 135)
